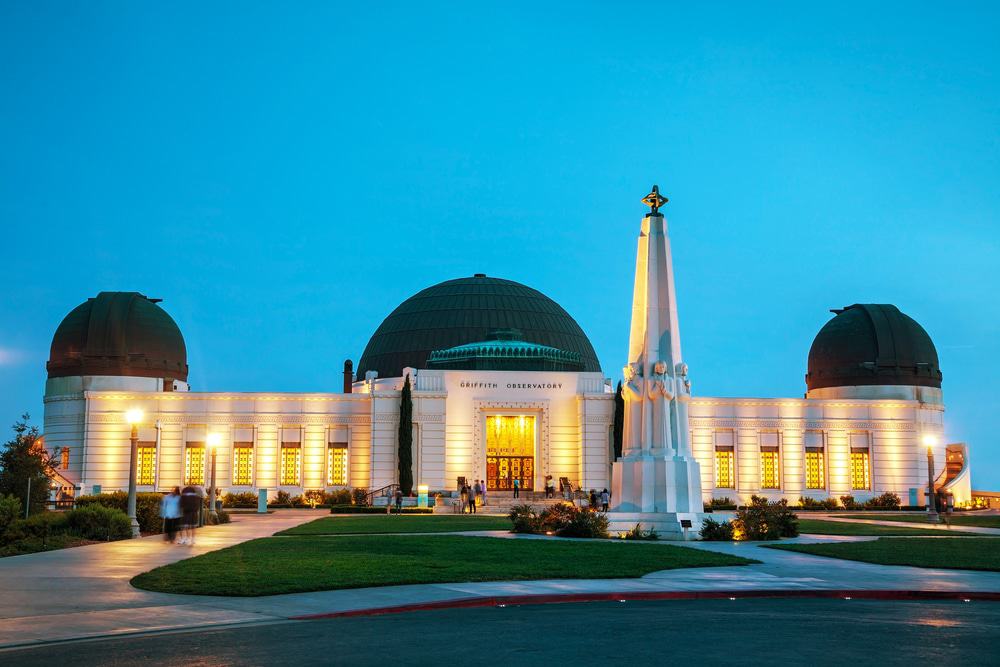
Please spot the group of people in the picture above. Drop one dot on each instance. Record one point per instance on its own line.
(472, 495)
(179, 510)
(602, 500)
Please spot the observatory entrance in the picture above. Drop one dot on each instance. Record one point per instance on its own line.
(510, 452)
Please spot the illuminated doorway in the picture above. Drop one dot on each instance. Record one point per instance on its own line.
(510, 452)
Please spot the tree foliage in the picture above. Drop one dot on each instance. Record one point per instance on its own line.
(406, 439)
(23, 459)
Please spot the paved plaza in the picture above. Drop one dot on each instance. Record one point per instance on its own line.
(84, 592)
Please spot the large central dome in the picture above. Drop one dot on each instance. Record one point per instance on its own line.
(469, 310)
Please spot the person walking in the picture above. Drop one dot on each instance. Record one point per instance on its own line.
(464, 493)
(399, 500)
(170, 510)
(472, 499)
(605, 500)
(190, 504)
(517, 487)
(593, 499)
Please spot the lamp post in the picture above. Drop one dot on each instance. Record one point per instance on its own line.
(932, 514)
(133, 416)
(213, 442)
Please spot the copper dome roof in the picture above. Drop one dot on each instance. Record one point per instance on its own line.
(466, 310)
(118, 333)
(872, 344)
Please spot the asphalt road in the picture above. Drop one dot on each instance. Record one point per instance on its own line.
(815, 632)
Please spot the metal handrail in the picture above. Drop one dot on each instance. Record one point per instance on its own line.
(386, 491)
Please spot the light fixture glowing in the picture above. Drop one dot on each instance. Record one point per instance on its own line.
(930, 440)
(214, 439)
(133, 416)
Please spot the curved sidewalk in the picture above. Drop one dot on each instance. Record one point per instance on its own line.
(84, 592)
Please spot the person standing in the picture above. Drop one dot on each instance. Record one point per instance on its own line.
(190, 504)
(482, 491)
(464, 493)
(605, 500)
(517, 487)
(399, 500)
(472, 499)
(170, 510)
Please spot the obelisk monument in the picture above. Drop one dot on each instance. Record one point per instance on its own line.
(656, 482)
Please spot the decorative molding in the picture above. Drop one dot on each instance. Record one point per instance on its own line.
(809, 424)
(599, 419)
(480, 407)
(289, 420)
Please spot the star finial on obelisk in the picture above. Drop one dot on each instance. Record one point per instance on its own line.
(654, 200)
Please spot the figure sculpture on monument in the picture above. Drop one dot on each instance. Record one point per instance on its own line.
(634, 394)
(661, 396)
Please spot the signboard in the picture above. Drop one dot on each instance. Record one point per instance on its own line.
(422, 495)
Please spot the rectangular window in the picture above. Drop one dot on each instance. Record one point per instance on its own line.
(242, 463)
(194, 463)
(725, 464)
(291, 465)
(769, 468)
(860, 469)
(815, 472)
(336, 465)
(145, 467)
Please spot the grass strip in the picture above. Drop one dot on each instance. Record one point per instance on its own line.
(379, 524)
(973, 553)
(820, 527)
(979, 521)
(271, 566)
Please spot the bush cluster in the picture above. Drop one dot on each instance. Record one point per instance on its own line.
(637, 533)
(147, 507)
(367, 509)
(720, 504)
(241, 499)
(813, 504)
(57, 529)
(759, 520)
(716, 531)
(562, 519)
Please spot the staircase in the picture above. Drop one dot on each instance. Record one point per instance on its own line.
(500, 502)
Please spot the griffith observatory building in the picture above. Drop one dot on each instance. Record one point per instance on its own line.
(505, 385)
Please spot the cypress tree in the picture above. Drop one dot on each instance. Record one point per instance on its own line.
(619, 423)
(406, 439)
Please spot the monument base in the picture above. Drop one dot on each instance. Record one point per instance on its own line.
(657, 491)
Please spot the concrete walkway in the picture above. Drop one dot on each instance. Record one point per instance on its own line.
(84, 592)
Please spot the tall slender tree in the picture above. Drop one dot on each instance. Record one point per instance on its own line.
(406, 439)
(619, 423)
(24, 465)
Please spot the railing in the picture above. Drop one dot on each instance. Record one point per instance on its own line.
(386, 491)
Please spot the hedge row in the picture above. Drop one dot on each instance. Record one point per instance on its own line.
(362, 509)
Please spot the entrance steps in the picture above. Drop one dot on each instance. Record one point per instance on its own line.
(500, 502)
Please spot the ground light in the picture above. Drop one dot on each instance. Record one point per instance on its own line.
(134, 418)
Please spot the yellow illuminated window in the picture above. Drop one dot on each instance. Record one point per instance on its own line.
(724, 469)
(860, 475)
(64, 458)
(242, 465)
(291, 465)
(145, 466)
(769, 475)
(336, 466)
(194, 465)
(815, 474)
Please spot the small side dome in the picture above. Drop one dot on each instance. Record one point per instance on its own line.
(872, 344)
(118, 334)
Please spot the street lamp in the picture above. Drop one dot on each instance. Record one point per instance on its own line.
(213, 442)
(932, 514)
(133, 416)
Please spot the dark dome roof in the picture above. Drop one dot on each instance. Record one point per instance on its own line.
(118, 333)
(872, 344)
(466, 310)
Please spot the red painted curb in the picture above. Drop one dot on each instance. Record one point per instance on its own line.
(561, 598)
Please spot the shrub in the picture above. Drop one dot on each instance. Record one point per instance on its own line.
(10, 511)
(716, 531)
(849, 503)
(886, 501)
(360, 495)
(762, 520)
(37, 527)
(366, 509)
(281, 498)
(637, 533)
(147, 507)
(221, 517)
(524, 519)
(242, 499)
(585, 524)
(338, 497)
(98, 522)
(721, 504)
(557, 517)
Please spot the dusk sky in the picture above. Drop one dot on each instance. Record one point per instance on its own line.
(283, 176)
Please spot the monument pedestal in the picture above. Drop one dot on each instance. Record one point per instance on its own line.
(659, 492)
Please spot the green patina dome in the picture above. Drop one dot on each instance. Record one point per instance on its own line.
(465, 311)
(505, 351)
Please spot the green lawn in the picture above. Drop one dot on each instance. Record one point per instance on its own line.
(957, 519)
(379, 523)
(973, 553)
(820, 527)
(274, 565)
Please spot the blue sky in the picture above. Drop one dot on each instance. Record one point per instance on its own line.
(284, 175)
